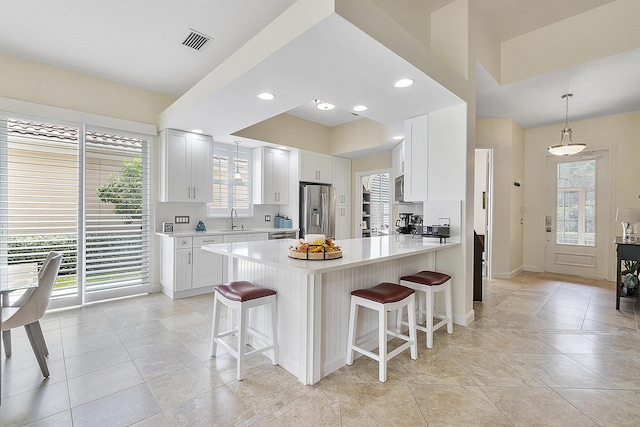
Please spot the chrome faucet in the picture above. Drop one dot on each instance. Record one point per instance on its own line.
(234, 212)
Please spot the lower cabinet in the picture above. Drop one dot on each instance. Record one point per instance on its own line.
(188, 270)
(343, 222)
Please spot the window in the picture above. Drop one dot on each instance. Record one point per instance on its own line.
(576, 204)
(380, 206)
(229, 192)
(85, 195)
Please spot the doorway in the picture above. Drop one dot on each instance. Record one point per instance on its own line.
(576, 215)
(483, 184)
(374, 198)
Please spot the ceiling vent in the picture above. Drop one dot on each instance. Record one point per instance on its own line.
(196, 40)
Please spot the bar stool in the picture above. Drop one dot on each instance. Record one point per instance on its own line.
(383, 298)
(429, 282)
(241, 296)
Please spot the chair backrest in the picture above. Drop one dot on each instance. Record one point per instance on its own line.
(34, 304)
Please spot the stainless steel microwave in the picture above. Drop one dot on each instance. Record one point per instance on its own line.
(399, 189)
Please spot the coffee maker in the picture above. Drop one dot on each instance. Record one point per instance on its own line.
(407, 222)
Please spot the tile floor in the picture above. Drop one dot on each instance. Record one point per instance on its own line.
(543, 350)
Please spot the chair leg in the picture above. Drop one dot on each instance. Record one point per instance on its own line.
(274, 323)
(36, 350)
(6, 339)
(352, 331)
(215, 325)
(39, 336)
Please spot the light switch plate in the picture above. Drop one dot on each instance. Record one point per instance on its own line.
(267, 218)
(182, 219)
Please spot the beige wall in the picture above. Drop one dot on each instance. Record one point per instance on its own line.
(358, 135)
(30, 81)
(291, 131)
(450, 36)
(620, 135)
(506, 139)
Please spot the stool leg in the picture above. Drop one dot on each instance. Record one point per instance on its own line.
(215, 325)
(448, 308)
(429, 326)
(242, 340)
(420, 302)
(399, 320)
(275, 331)
(412, 329)
(352, 331)
(382, 345)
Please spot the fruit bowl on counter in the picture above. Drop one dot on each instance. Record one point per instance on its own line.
(315, 247)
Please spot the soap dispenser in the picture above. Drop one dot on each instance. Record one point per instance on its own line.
(201, 226)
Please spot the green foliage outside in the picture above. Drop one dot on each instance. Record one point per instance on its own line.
(125, 191)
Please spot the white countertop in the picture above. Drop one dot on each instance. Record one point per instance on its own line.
(355, 252)
(226, 232)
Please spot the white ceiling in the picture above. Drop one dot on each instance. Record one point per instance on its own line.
(138, 43)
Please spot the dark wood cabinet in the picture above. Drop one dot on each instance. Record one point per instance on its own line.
(627, 251)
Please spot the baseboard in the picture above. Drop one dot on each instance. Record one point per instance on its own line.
(533, 268)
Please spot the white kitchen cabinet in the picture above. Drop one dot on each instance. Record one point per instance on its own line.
(185, 167)
(316, 167)
(342, 180)
(245, 237)
(343, 222)
(397, 163)
(188, 270)
(271, 176)
(415, 158)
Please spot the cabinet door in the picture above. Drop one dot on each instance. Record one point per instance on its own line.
(281, 188)
(207, 266)
(415, 163)
(183, 273)
(342, 180)
(177, 174)
(201, 168)
(232, 238)
(255, 237)
(398, 160)
(343, 222)
(316, 167)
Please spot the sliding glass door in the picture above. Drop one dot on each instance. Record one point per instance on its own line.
(80, 192)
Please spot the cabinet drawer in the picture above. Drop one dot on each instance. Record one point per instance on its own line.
(206, 240)
(183, 242)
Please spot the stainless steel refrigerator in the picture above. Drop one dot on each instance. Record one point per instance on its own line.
(317, 210)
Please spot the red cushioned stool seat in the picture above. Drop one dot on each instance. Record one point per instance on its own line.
(428, 278)
(239, 297)
(383, 298)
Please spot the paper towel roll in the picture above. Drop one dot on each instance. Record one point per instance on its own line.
(310, 238)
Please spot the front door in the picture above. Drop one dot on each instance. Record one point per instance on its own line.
(576, 215)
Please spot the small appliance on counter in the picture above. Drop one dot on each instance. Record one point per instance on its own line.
(407, 223)
(440, 231)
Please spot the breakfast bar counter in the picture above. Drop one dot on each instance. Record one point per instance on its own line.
(313, 296)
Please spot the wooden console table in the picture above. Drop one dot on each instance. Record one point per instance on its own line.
(627, 250)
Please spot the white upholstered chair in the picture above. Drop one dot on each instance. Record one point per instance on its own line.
(29, 309)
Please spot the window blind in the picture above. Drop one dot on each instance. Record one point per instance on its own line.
(380, 205)
(228, 192)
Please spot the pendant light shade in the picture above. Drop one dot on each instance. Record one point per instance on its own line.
(564, 149)
(237, 176)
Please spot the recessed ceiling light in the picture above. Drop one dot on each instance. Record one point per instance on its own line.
(321, 105)
(360, 108)
(398, 137)
(403, 83)
(266, 96)
(196, 130)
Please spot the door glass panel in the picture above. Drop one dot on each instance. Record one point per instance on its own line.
(576, 203)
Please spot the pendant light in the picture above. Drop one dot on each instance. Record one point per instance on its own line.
(236, 175)
(563, 149)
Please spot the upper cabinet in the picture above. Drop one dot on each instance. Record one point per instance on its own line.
(415, 158)
(185, 167)
(398, 160)
(271, 176)
(342, 180)
(316, 167)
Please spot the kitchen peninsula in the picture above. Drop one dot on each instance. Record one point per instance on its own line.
(313, 296)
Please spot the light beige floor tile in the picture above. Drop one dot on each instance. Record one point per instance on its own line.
(182, 320)
(519, 342)
(536, 407)
(378, 405)
(316, 408)
(62, 419)
(153, 344)
(158, 364)
(96, 360)
(74, 345)
(218, 407)
(628, 344)
(103, 382)
(457, 406)
(141, 330)
(558, 370)
(606, 407)
(118, 409)
(157, 420)
(623, 371)
(177, 387)
(573, 343)
(34, 405)
(16, 382)
(497, 369)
